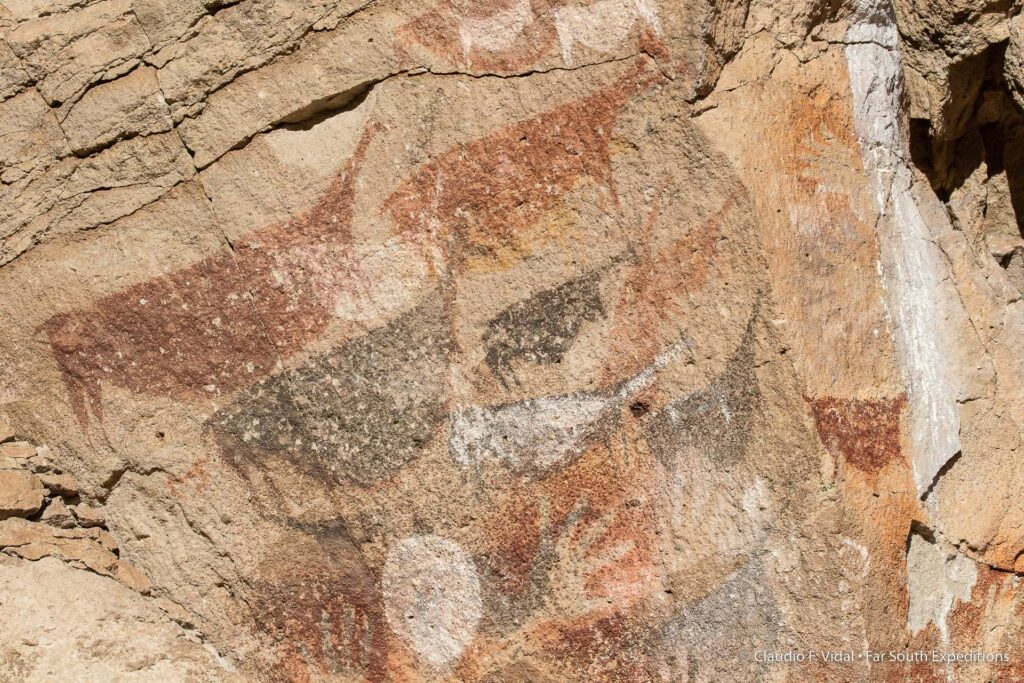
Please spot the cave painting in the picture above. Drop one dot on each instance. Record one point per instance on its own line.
(321, 601)
(864, 432)
(603, 25)
(222, 323)
(393, 376)
(488, 191)
(432, 596)
(512, 35)
(572, 549)
(538, 435)
(567, 561)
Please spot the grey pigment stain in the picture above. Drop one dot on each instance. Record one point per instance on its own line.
(743, 609)
(540, 329)
(360, 412)
(717, 419)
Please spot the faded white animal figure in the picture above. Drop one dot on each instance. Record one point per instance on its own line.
(543, 433)
(432, 597)
(603, 25)
(497, 32)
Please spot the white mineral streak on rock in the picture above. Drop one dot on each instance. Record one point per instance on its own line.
(544, 432)
(914, 272)
(935, 580)
(645, 377)
(602, 25)
(432, 596)
(497, 32)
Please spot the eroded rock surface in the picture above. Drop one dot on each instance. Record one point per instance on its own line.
(507, 340)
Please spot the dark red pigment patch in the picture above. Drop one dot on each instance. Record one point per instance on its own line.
(865, 433)
(220, 324)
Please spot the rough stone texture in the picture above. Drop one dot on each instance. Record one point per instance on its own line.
(106, 631)
(510, 340)
(21, 494)
(129, 106)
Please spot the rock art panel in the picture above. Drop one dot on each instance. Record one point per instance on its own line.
(507, 340)
(360, 412)
(540, 329)
(321, 602)
(486, 191)
(715, 419)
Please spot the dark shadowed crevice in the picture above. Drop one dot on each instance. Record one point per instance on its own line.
(992, 139)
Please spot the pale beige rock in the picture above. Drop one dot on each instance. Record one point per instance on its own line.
(18, 450)
(312, 76)
(131, 105)
(6, 431)
(60, 484)
(67, 52)
(21, 494)
(59, 620)
(24, 10)
(93, 549)
(76, 194)
(30, 134)
(239, 38)
(165, 22)
(13, 77)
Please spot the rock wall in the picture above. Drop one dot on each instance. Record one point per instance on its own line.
(511, 340)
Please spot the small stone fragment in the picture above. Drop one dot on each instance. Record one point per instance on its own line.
(19, 450)
(60, 484)
(104, 538)
(131, 576)
(87, 515)
(57, 514)
(21, 494)
(41, 461)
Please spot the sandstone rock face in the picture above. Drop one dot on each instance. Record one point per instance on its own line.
(21, 494)
(511, 340)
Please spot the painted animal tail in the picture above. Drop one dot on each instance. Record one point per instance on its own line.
(66, 332)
